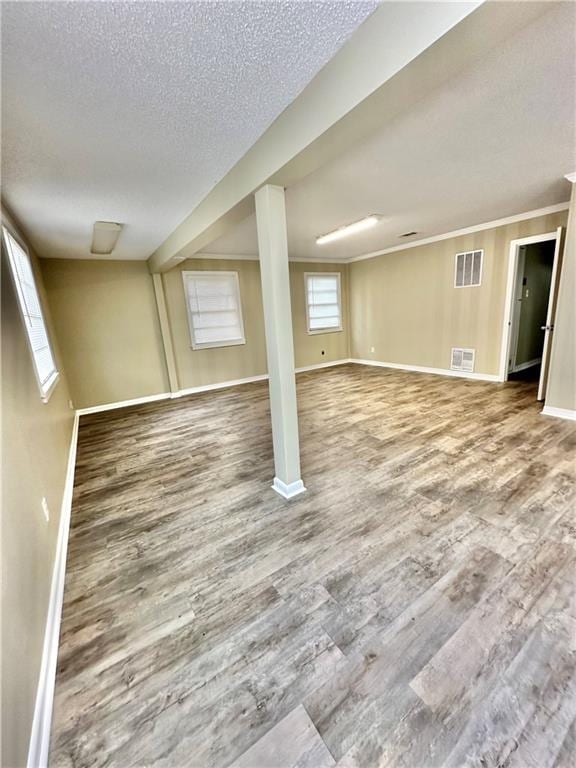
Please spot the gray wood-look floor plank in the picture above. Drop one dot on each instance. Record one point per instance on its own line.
(414, 608)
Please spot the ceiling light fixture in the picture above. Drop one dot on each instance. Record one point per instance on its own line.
(349, 229)
(105, 237)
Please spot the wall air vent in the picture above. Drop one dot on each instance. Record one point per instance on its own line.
(462, 359)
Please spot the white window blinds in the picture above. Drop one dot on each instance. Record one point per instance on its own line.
(214, 309)
(323, 304)
(468, 269)
(32, 314)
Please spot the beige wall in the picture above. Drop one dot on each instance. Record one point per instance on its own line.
(308, 347)
(35, 446)
(562, 376)
(404, 304)
(209, 366)
(107, 325)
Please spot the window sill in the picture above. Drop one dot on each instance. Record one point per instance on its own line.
(216, 344)
(319, 331)
(48, 394)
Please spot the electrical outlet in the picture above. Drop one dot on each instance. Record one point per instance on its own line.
(45, 509)
(372, 349)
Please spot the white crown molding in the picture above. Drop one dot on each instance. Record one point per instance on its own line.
(413, 243)
(559, 413)
(466, 231)
(225, 256)
(41, 722)
(255, 257)
(571, 177)
(288, 490)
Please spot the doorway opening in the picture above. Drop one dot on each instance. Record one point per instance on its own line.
(533, 276)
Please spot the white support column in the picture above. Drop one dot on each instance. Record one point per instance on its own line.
(273, 249)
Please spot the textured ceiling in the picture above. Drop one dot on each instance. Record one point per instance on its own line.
(491, 143)
(132, 111)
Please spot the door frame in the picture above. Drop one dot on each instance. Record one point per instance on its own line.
(511, 286)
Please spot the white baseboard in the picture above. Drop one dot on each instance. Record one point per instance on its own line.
(559, 413)
(124, 403)
(435, 371)
(288, 490)
(220, 385)
(41, 722)
(524, 366)
(316, 366)
(196, 390)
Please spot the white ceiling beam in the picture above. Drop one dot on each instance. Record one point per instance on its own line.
(401, 53)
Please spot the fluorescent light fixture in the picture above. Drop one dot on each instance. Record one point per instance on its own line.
(105, 237)
(349, 229)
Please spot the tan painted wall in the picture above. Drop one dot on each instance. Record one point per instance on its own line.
(35, 446)
(404, 304)
(562, 376)
(107, 325)
(308, 347)
(209, 366)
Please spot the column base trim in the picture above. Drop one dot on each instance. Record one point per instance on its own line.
(289, 490)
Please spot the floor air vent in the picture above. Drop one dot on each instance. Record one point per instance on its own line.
(462, 359)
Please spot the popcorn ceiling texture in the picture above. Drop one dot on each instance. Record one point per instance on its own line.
(132, 112)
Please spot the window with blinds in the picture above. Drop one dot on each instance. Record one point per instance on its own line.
(32, 315)
(468, 269)
(214, 309)
(323, 302)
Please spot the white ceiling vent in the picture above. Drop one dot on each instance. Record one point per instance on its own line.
(462, 359)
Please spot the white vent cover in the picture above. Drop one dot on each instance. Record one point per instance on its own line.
(468, 269)
(462, 359)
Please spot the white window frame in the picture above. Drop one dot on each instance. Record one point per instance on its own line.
(463, 253)
(316, 331)
(186, 275)
(47, 388)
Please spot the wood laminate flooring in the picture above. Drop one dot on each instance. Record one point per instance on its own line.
(414, 608)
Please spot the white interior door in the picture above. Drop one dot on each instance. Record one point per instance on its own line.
(551, 313)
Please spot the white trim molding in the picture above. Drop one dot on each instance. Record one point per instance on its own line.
(288, 490)
(546, 211)
(571, 177)
(317, 366)
(426, 369)
(559, 413)
(220, 385)
(125, 403)
(41, 722)
(467, 230)
(196, 390)
(508, 317)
